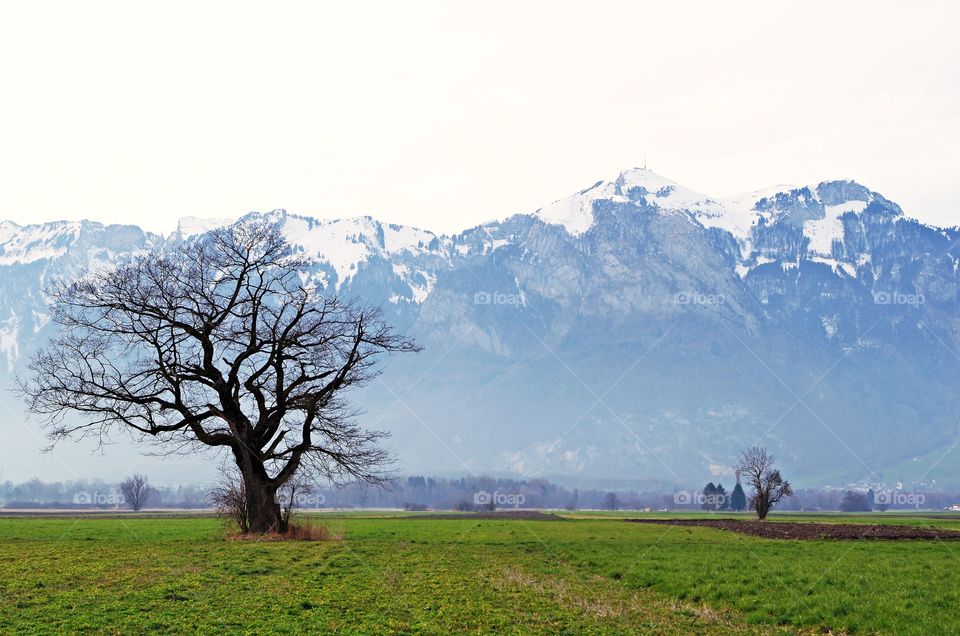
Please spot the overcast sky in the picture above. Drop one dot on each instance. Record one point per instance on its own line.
(447, 114)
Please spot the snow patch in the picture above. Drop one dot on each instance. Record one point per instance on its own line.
(9, 339)
(839, 267)
(20, 245)
(575, 213)
(40, 320)
(345, 244)
(402, 238)
(341, 244)
(823, 232)
(420, 292)
(829, 325)
(738, 214)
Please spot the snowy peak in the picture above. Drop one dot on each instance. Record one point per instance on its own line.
(737, 215)
(74, 241)
(310, 232)
(640, 183)
(811, 202)
(24, 244)
(782, 223)
(636, 185)
(343, 246)
(817, 209)
(823, 202)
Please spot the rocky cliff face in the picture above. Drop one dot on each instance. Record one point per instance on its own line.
(635, 331)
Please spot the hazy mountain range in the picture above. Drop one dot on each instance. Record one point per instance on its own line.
(635, 332)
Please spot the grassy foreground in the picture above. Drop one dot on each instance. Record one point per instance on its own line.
(133, 575)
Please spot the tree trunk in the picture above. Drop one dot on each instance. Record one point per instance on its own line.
(263, 509)
(762, 510)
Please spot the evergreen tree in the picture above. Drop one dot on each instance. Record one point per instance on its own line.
(722, 500)
(709, 493)
(738, 500)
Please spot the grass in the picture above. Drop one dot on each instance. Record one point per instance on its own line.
(438, 576)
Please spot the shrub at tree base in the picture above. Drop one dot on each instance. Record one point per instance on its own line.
(305, 531)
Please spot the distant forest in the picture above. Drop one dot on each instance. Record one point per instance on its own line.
(429, 493)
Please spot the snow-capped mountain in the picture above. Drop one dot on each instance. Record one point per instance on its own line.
(634, 331)
(575, 213)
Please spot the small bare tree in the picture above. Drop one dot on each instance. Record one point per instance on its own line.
(218, 343)
(229, 499)
(292, 496)
(756, 464)
(136, 491)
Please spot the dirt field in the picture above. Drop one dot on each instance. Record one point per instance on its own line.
(810, 531)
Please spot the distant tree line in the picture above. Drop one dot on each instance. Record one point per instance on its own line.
(420, 492)
(468, 493)
(97, 493)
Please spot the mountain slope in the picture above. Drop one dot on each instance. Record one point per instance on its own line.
(636, 331)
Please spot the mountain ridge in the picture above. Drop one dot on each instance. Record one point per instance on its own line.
(818, 320)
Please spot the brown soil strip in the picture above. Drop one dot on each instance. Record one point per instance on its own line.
(810, 531)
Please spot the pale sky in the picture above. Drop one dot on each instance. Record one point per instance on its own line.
(443, 115)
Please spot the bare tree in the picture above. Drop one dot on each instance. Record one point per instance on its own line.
(768, 486)
(218, 343)
(136, 491)
(229, 498)
(293, 495)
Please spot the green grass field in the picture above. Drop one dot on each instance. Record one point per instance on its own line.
(590, 574)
